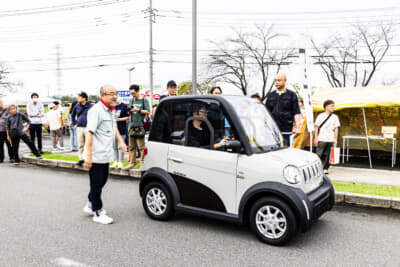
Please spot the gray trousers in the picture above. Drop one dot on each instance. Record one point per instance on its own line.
(57, 133)
(324, 153)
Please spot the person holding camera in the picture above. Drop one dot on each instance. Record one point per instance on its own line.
(138, 109)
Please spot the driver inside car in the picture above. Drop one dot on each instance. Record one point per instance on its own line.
(199, 134)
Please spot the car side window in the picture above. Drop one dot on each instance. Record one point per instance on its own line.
(208, 126)
(162, 126)
(196, 122)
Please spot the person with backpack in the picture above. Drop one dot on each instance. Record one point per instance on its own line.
(326, 133)
(79, 121)
(16, 132)
(138, 109)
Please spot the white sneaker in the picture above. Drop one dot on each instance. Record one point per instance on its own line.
(60, 147)
(102, 218)
(88, 209)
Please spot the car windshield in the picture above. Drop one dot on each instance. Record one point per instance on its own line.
(261, 130)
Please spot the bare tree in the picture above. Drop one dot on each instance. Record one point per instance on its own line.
(249, 54)
(229, 66)
(4, 84)
(353, 59)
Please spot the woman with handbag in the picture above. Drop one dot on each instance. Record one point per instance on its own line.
(138, 109)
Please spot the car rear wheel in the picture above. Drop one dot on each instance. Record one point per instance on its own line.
(273, 221)
(157, 201)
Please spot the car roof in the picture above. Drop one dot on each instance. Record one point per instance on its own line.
(189, 97)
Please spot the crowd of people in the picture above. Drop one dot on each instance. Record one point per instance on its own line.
(103, 132)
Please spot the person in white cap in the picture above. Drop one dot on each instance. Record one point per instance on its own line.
(56, 127)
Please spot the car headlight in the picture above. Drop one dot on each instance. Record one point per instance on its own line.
(292, 174)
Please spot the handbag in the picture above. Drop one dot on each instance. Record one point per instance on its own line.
(137, 132)
(147, 124)
(335, 155)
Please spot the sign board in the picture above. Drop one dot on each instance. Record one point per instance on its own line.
(389, 131)
(125, 95)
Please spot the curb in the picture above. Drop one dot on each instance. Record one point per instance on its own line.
(367, 200)
(340, 197)
(51, 163)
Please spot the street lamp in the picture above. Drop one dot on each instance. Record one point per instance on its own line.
(130, 78)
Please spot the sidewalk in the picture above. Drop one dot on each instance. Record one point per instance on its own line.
(364, 176)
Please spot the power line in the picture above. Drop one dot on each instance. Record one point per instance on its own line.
(59, 8)
(79, 67)
(287, 13)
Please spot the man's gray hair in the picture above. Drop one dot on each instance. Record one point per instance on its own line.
(102, 90)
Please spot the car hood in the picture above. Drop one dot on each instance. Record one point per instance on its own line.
(293, 156)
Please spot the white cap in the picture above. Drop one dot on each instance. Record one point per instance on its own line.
(51, 105)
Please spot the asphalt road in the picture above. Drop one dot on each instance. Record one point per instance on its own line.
(41, 224)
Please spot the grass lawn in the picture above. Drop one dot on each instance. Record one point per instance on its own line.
(49, 155)
(385, 191)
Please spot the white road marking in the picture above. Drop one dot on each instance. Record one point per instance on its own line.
(68, 262)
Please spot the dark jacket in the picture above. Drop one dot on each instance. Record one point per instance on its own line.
(3, 119)
(79, 114)
(199, 138)
(16, 122)
(283, 109)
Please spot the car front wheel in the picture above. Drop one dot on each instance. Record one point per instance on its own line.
(273, 221)
(157, 201)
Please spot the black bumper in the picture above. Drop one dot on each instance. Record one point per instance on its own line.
(315, 204)
(322, 199)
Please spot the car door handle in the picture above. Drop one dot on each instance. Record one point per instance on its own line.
(240, 175)
(177, 160)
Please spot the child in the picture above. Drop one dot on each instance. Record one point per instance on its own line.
(56, 124)
(16, 131)
(326, 133)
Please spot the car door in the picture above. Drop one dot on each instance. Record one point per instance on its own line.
(205, 178)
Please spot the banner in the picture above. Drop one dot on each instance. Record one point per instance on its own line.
(305, 90)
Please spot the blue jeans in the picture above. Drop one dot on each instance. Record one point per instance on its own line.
(73, 138)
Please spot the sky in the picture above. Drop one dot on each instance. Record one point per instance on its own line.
(97, 45)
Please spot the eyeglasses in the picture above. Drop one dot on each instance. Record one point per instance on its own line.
(112, 94)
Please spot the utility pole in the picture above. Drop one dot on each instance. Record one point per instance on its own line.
(151, 16)
(130, 76)
(194, 46)
(58, 69)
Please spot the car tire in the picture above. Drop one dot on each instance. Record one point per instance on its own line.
(273, 221)
(157, 201)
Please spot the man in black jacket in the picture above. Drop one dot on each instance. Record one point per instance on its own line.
(284, 107)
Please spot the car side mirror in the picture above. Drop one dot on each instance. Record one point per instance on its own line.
(233, 146)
